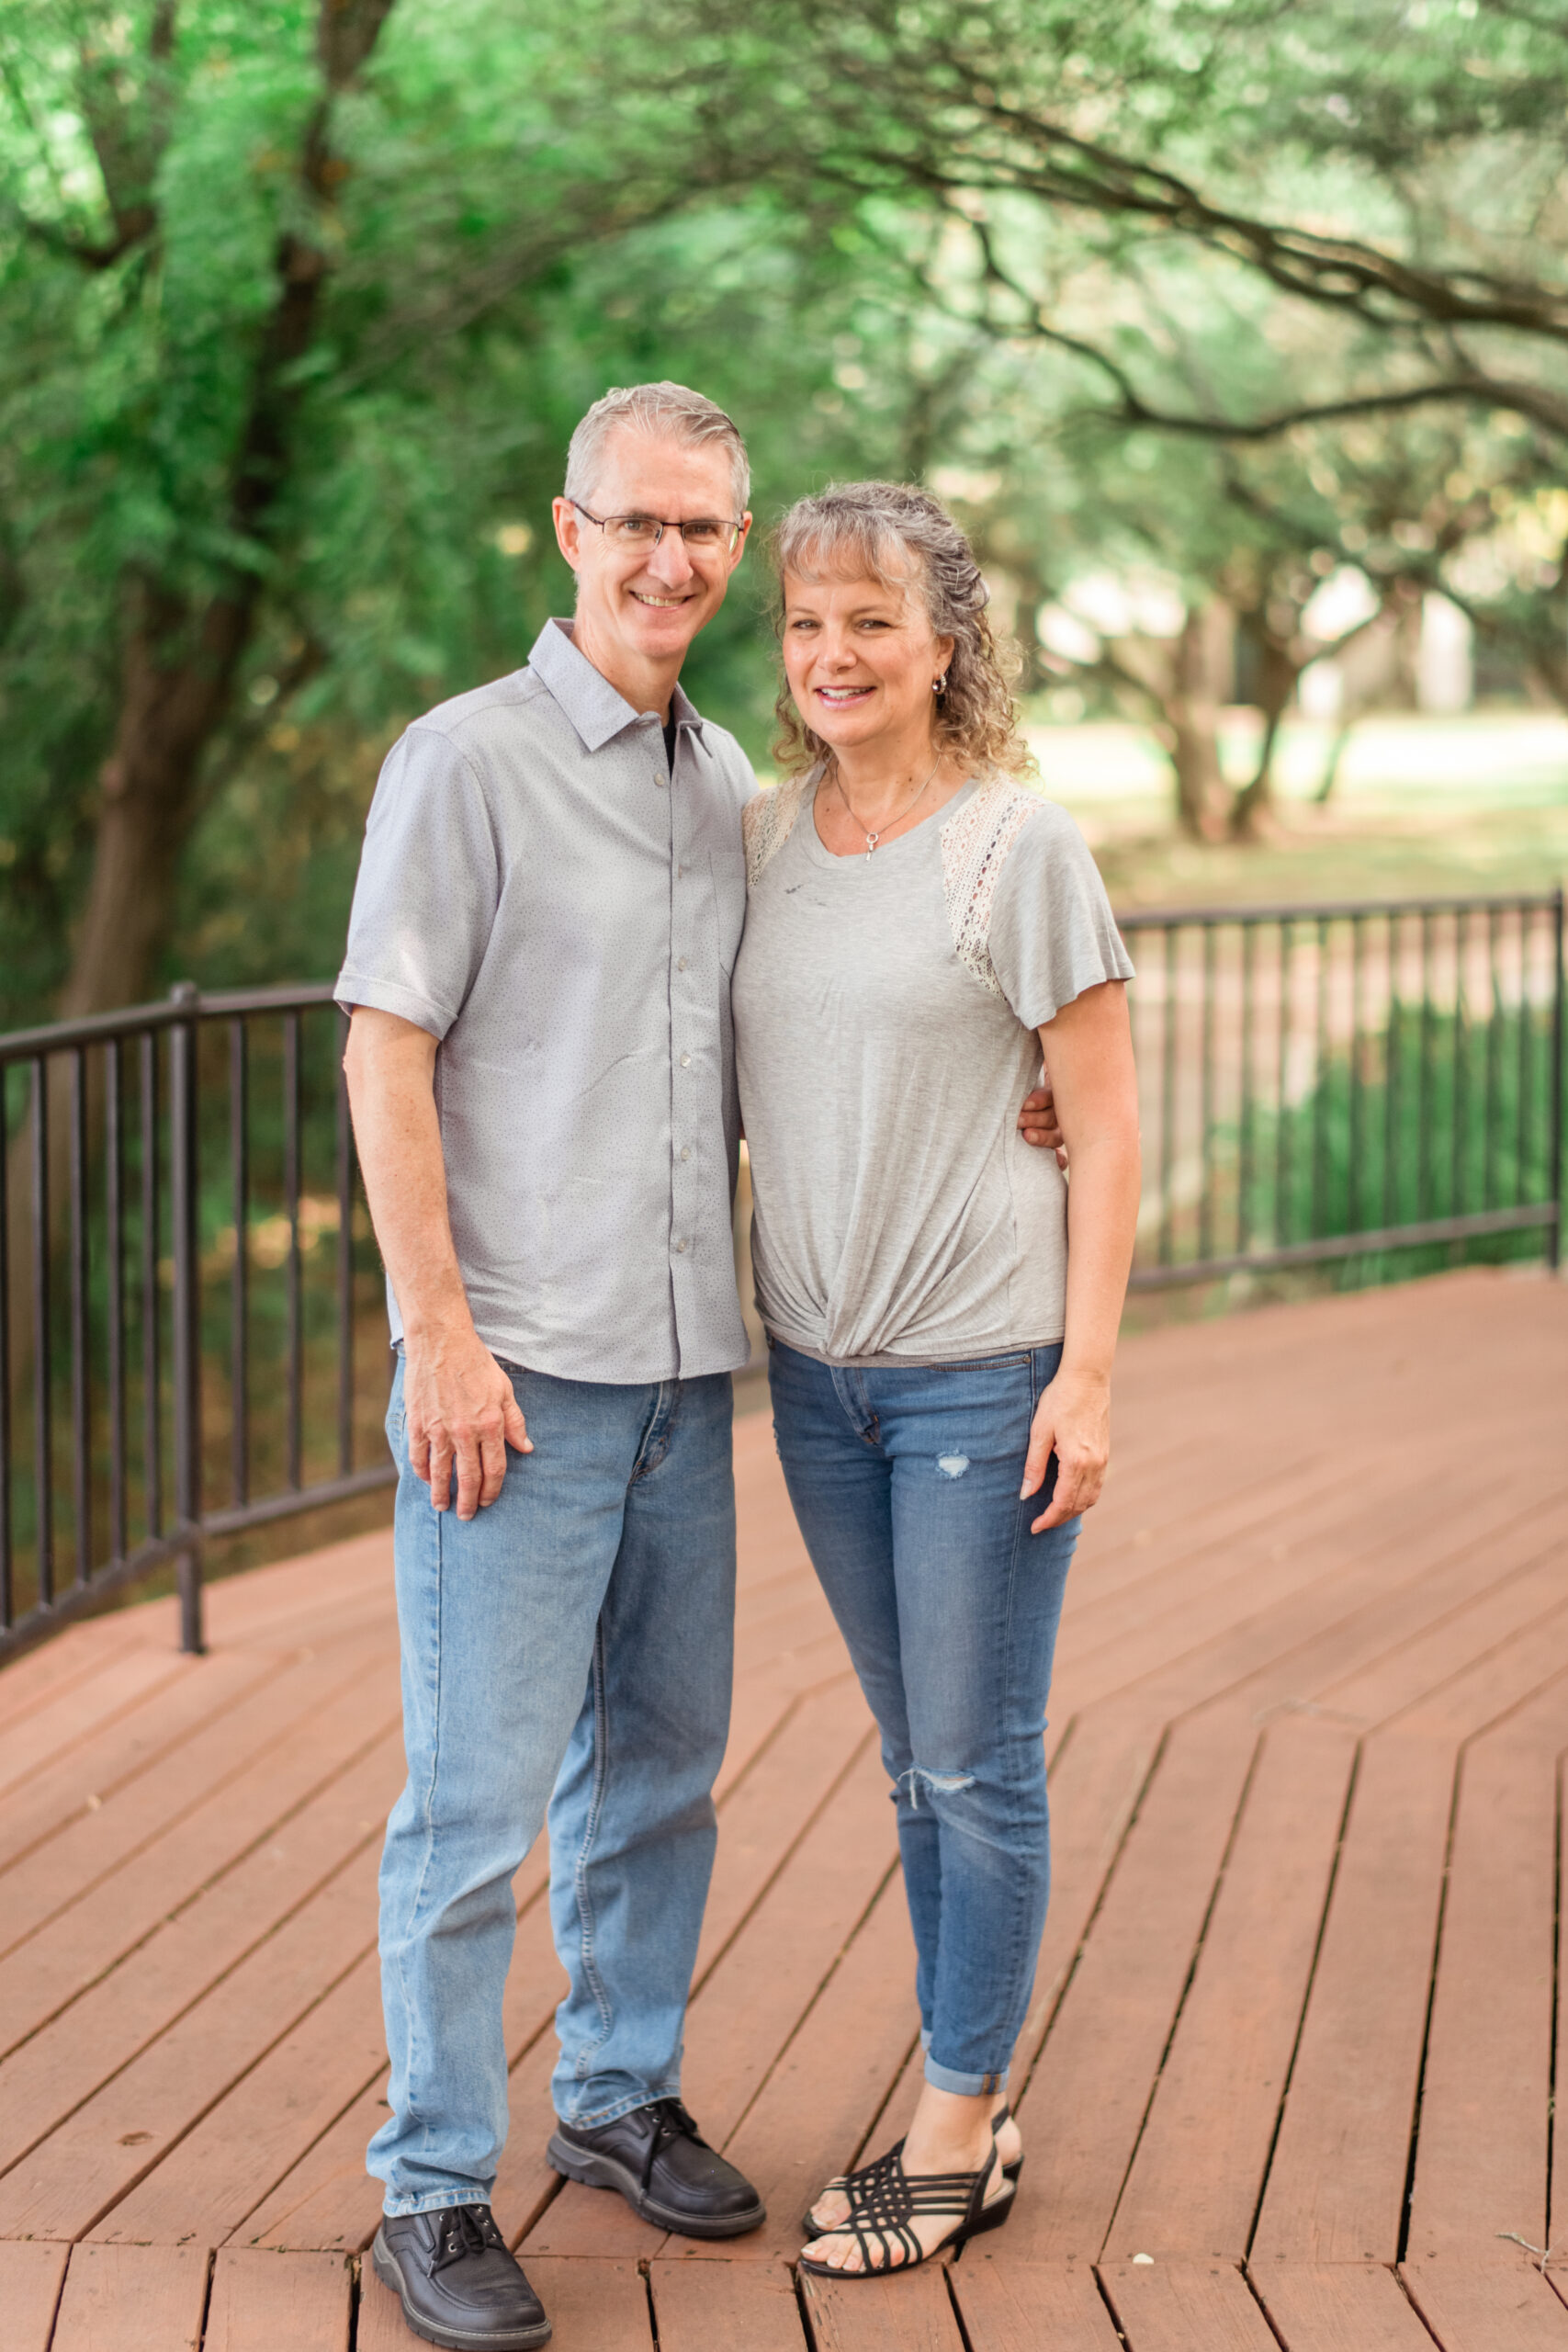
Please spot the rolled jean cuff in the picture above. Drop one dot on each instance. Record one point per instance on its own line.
(435, 2200)
(946, 2078)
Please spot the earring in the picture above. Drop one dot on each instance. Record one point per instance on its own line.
(939, 685)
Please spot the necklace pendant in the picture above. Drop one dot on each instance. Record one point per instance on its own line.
(871, 842)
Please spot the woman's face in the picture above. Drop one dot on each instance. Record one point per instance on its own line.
(860, 660)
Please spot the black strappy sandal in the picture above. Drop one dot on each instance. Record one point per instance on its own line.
(841, 2183)
(885, 2200)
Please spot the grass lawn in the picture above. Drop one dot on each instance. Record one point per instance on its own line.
(1422, 805)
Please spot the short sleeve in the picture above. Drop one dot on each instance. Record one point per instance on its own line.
(428, 886)
(1052, 931)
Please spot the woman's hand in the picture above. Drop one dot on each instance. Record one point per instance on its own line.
(1072, 1421)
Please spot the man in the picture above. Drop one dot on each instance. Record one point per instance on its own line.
(541, 1072)
(548, 910)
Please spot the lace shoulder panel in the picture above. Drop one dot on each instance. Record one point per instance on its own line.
(975, 845)
(767, 821)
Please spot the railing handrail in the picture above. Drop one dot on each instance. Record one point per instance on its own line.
(184, 1003)
(1340, 909)
(188, 1002)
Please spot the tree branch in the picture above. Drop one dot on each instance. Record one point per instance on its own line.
(1471, 389)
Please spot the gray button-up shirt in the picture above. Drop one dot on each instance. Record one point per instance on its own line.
(539, 893)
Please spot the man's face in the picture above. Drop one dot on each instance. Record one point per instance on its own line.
(640, 606)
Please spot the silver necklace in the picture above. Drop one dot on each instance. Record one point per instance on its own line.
(871, 839)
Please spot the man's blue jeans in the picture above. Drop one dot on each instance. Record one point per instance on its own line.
(905, 1482)
(575, 1637)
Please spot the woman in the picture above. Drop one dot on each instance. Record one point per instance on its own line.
(920, 925)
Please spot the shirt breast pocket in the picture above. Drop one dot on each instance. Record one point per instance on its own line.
(728, 868)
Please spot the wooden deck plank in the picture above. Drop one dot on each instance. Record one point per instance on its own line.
(595, 2306)
(52, 1967)
(1223, 2080)
(163, 1987)
(69, 1786)
(1482, 2153)
(1085, 2102)
(1322, 1575)
(31, 2273)
(82, 1711)
(1029, 2306)
(1339, 2307)
(1186, 2307)
(278, 2302)
(62, 2186)
(194, 1785)
(1466, 1602)
(726, 2307)
(235, 2156)
(913, 2314)
(762, 1819)
(132, 2299)
(1337, 2186)
(1483, 2308)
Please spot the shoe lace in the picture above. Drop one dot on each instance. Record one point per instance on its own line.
(465, 2230)
(671, 2121)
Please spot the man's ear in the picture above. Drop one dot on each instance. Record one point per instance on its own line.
(568, 530)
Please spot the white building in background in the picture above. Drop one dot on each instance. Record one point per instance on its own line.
(1445, 667)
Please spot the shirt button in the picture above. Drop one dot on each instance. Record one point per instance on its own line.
(680, 873)
(680, 1249)
(681, 963)
(686, 1151)
(686, 1061)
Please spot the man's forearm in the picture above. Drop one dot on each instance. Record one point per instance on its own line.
(391, 1067)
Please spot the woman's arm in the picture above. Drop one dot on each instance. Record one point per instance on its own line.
(1089, 1051)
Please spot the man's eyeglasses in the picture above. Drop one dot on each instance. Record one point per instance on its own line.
(707, 535)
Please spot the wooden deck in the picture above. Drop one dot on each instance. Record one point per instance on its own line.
(1290, 2068)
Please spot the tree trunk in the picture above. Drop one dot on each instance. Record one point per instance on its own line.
(1193, 717)
(173, 697)
(1252, 810)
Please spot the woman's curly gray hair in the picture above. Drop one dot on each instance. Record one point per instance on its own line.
(905, 540)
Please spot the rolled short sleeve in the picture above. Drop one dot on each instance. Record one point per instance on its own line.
(1052, 931)
(429, 884)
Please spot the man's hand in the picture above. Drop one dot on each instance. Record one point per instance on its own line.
(462, 1414)
(458, 1403)
(1038, 1123)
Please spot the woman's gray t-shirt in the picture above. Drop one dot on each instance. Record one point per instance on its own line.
(885, 1011)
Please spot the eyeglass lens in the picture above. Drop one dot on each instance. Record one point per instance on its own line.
(641, 530)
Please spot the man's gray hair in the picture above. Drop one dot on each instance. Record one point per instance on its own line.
(686, 416)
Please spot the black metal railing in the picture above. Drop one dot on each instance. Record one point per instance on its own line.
(177, 1350)
(1377, 1084)
(1325, 1083)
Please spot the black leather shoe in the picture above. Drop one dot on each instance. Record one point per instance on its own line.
(459, 2283)
(664, 2169)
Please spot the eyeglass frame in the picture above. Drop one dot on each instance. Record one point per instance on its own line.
(605, 521)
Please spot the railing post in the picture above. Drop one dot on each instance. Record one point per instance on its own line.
(1554, 1086)
(183, 1207)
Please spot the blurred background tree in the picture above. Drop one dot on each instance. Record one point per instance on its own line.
(1235, 333)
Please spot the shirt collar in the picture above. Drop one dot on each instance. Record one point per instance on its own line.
(588, 700)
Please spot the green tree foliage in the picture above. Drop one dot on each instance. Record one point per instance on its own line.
(300, 301)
